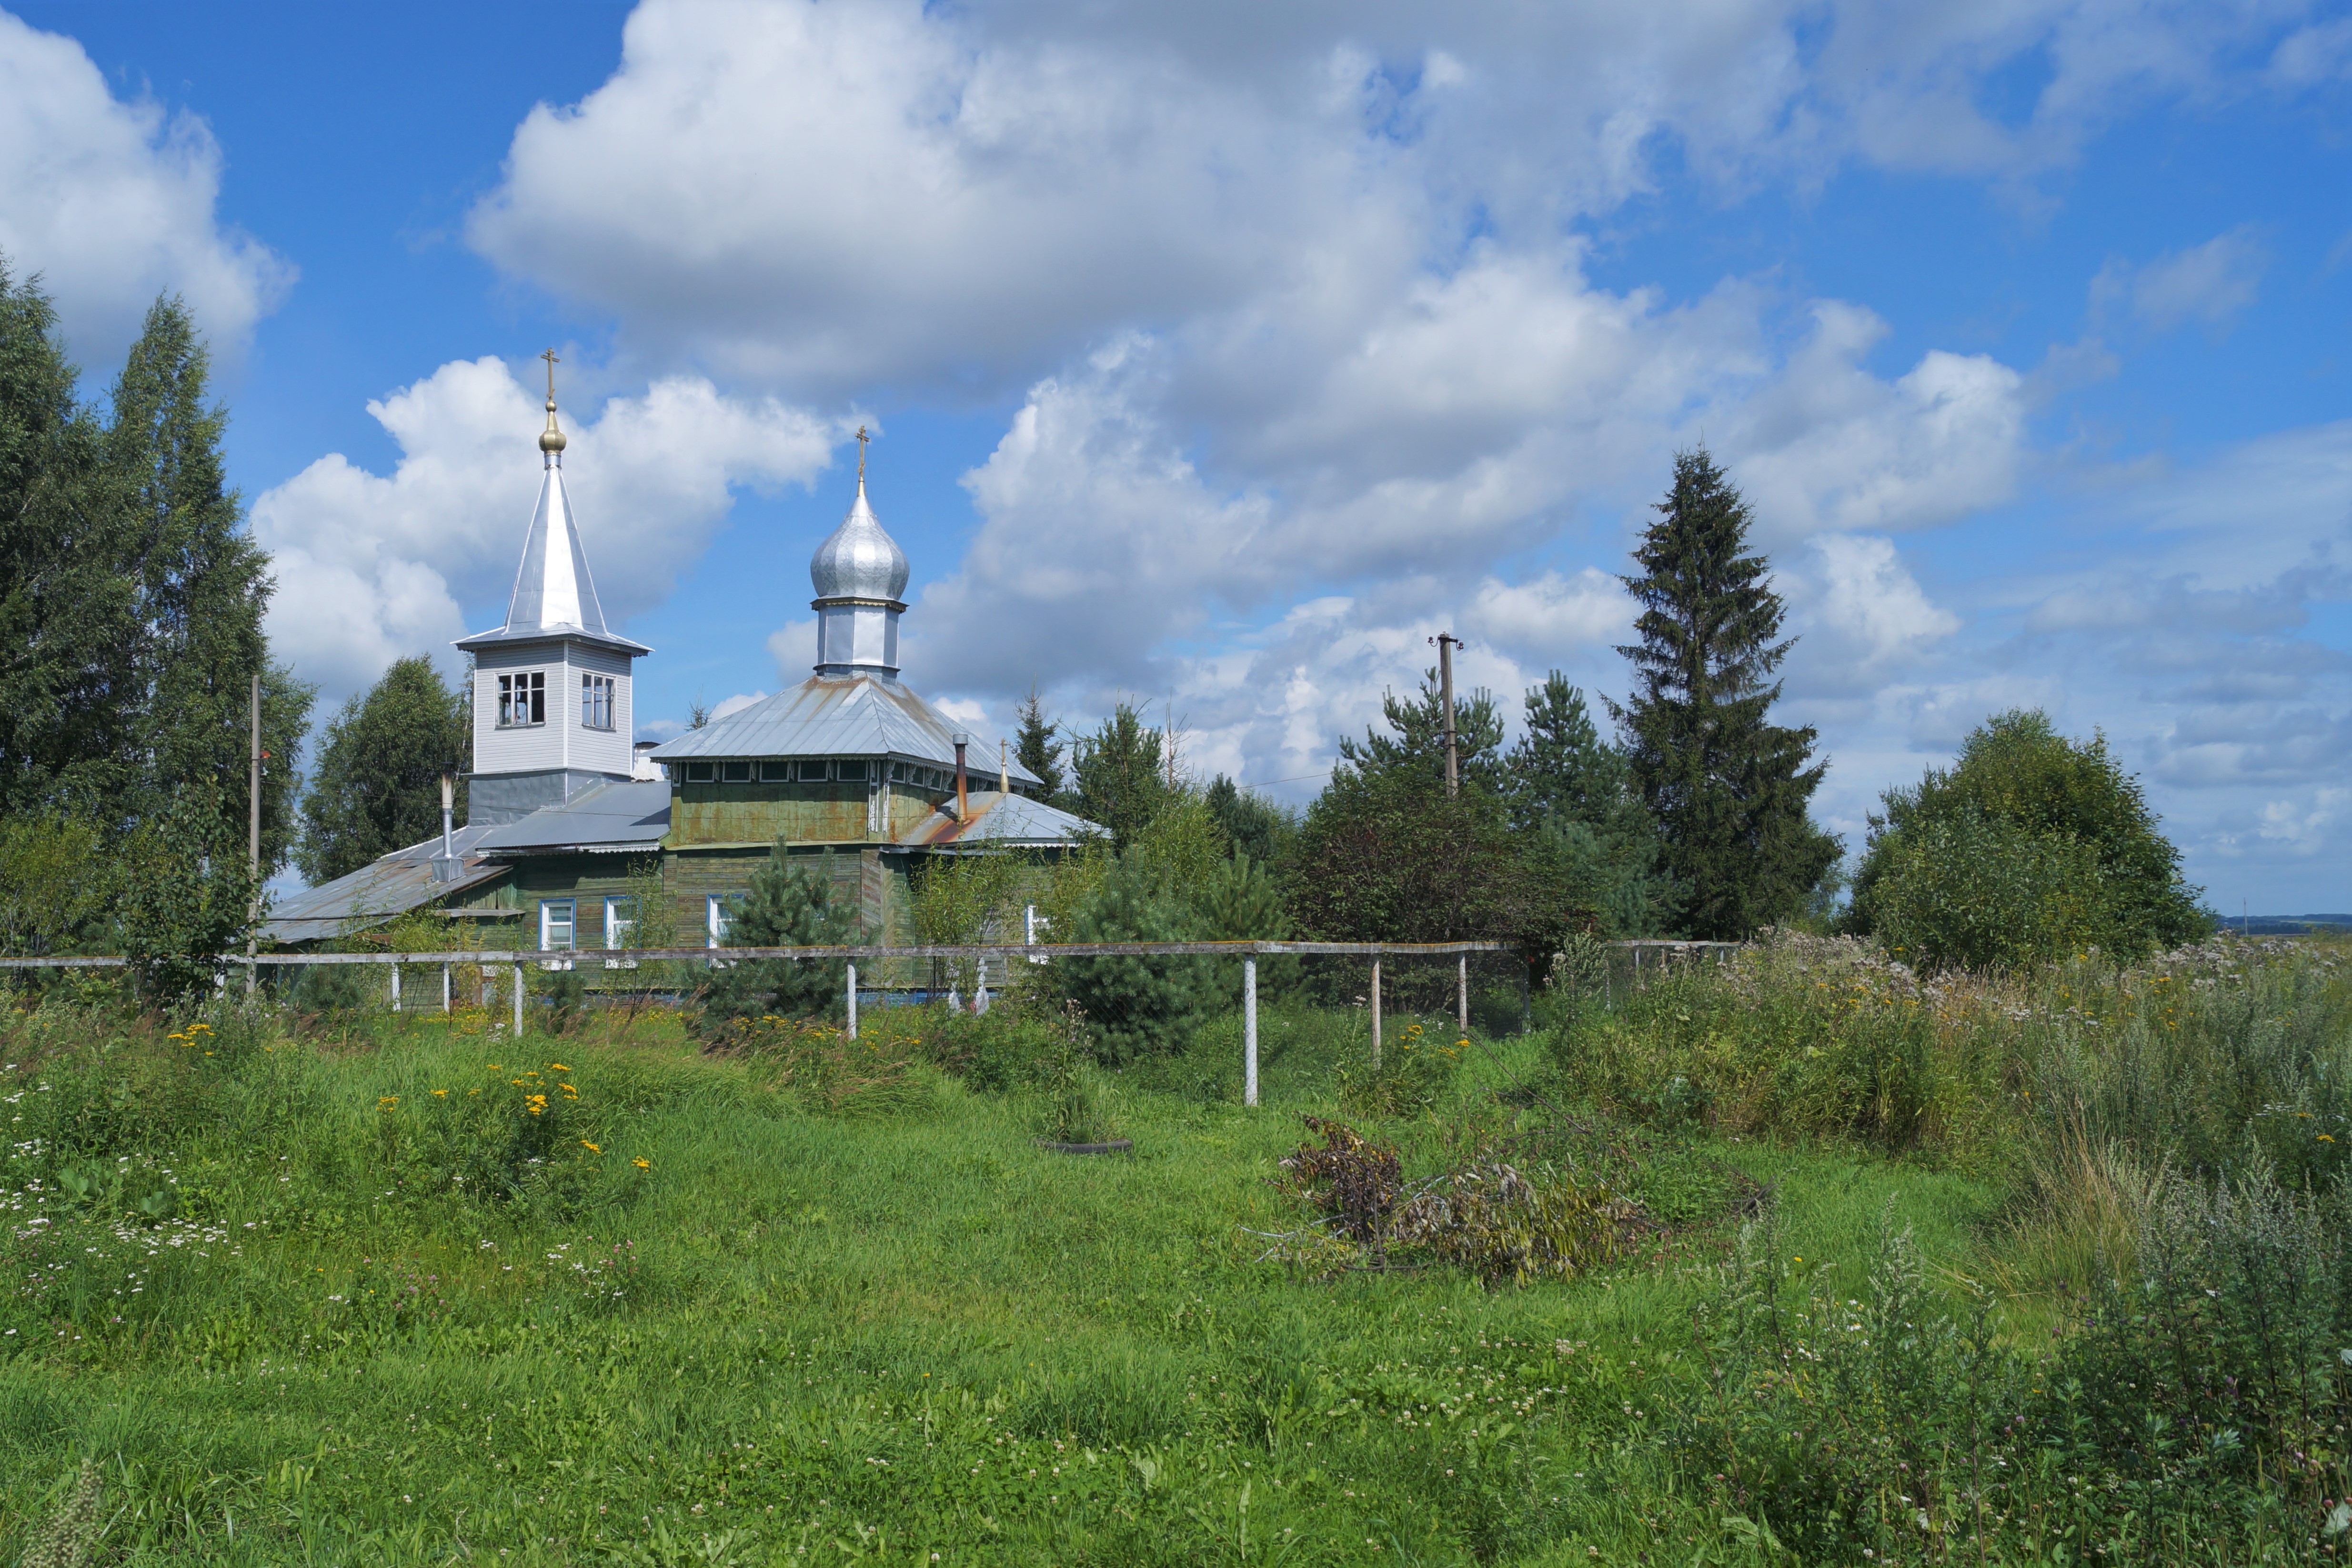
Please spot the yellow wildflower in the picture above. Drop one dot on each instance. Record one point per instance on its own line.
(2324, 1138)
(440, 1094)
(592, 1148)
(642, 1165)
(558, 1067)
(383, 1102)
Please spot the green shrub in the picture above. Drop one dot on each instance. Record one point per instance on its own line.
(1799, 1036)
(819, 1068)
(1409, 1079)
(2184, 1059)
(2032, 846)
(1879, 1425)
(2220, 1355)
(790, 903)
(1000, 1051)
(1981, 892)
(1135, 1008)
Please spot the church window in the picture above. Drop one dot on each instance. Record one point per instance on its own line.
(596, 701)
(716, 913)
(522, 699)
(619, 921)
(555, 924)
(853, 773)
(697, 773)
(812, 772)
(735, 772)
(775, 773)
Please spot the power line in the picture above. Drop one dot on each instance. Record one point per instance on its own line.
(1294, 778)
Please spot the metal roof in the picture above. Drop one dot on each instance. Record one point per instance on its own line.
(842, 716)
(394, 885)
(554, 595)
(631, 815)
(1001, 822)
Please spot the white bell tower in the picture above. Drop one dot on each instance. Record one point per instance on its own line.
(553, 712)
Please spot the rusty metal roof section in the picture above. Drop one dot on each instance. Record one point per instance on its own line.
(607, 819)
(842, 716)
(1000, 822)
(380, 890)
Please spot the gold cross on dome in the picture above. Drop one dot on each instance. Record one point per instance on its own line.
(552, 363)
(862, 439)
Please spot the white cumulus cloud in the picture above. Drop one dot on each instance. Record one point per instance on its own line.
(113, 203)
(373, 566)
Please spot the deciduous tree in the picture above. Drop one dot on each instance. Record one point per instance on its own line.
(378, 783)
(2029, 847)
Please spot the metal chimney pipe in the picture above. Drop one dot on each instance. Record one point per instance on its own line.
(964, 805)
(448, 805)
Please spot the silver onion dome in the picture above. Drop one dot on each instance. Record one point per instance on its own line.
(859, 561)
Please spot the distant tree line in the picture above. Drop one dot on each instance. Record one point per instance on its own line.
(1691, 819)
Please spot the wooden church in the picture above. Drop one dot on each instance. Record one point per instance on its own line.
(567, 815)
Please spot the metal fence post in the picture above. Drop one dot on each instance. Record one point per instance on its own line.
(517, 1010)
(445, 988)
(395, 988)
(1249, 1031)
(1462, 993)
(852, 1001)
(1376, 1014)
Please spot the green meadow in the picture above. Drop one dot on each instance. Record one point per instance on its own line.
(1860, 1269)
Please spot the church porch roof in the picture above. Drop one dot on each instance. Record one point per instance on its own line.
(380, 890)
(606, 819)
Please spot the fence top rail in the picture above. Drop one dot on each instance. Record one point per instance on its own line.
(733, 955)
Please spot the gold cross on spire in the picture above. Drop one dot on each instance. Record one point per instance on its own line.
(862, 439)
(552, 363)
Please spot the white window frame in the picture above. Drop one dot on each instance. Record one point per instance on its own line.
(598, 696)
(620, 923)
(715, 919)
(547, 925)
(522, 692)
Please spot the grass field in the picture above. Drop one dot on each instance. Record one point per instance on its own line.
(405, 1290)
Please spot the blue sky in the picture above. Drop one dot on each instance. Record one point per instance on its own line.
(1221, 356)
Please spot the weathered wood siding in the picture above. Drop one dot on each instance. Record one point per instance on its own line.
(761, 813)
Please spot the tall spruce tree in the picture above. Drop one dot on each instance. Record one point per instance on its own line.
(378, 783)
(1122, 776)
(1036, 747)
(1727, 788)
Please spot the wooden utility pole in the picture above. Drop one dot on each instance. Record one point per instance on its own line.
(1446, 643)
(253, 837)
